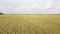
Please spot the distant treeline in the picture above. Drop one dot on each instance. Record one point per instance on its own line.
(1, 13)
(28, 14)
(32, 14)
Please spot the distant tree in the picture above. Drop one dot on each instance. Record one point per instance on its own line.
(1, 13)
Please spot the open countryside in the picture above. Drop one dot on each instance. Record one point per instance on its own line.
(29, 24)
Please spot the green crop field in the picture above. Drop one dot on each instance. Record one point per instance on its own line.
(29, 24)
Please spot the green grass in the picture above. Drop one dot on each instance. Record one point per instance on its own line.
(29, 24)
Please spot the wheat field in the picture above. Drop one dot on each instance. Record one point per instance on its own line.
(29, 24)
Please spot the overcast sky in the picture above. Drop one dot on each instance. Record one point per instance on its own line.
(30, 6)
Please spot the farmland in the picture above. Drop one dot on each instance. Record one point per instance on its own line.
(29, 24)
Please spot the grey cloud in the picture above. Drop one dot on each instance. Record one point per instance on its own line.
(30, 6)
